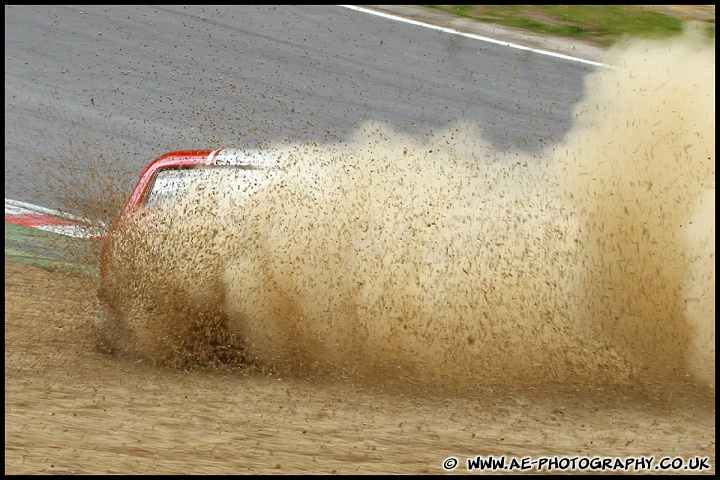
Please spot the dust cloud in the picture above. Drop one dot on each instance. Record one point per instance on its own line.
(442, 263)
(639, 170)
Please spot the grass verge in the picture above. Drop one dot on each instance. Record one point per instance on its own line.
(605, 25)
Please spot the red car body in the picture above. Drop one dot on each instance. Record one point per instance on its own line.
(250, 159)
(118, 289)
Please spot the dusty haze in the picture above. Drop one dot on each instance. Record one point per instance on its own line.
(439, 262)
(639, 167)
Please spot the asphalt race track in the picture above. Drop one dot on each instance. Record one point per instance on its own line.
(132, 82)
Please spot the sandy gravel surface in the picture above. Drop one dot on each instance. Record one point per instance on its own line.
(72, 409)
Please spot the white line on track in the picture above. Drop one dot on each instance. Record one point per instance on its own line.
(473, 36)
(15, 209)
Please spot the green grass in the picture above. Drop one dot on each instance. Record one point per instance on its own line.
(605, 25)
(50, 251)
